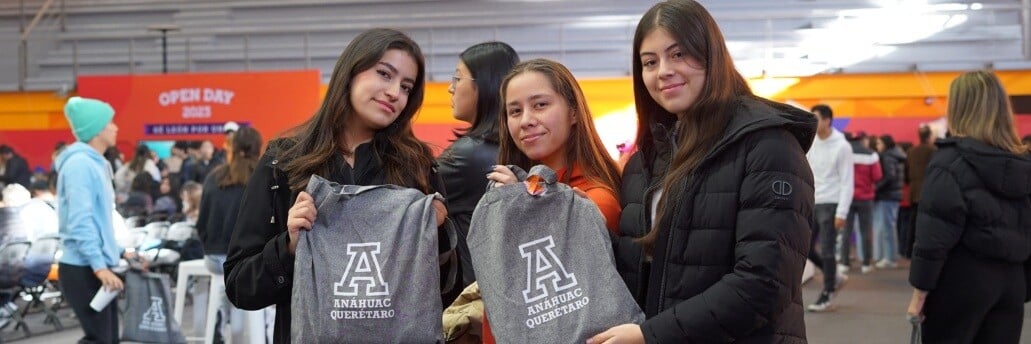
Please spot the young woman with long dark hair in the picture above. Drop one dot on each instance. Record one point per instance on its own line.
(474, 99)
(360, 135)
(717, 243)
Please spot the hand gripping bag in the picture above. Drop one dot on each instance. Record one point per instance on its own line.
(368, 270)
(543, 260)
(148, 317)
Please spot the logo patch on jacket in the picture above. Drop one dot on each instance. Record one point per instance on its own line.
(781, 189)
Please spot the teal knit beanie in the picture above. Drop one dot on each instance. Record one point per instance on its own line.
(87, 117)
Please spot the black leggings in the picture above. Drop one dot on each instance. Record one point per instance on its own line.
(78, 285)
(978, 300)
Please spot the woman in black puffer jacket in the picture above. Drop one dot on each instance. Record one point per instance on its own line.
(886, 202)
(973, 229)
(727, 224)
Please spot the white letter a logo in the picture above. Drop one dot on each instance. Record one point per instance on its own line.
(542, 266)
(362, 268)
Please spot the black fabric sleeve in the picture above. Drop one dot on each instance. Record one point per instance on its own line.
(939, 226)
(259, 267)
(629, 260)
(204, 217)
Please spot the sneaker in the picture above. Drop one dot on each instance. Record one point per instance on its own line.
(843, 269)
(886, 264)
(866, 269)
(823, 303)
(840, 281)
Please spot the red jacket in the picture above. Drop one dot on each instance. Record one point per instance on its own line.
(868, 172)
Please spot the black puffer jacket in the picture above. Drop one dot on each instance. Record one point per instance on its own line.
(893, 163)
(975, 196)
(728, 260)
(642, 177)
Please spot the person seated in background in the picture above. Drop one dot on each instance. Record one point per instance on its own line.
(168, 201)
(191, 195)
(40, 213)
(16, 169)
(197, 169)
(114, 157)
(12, 229)
(58, 148)
(138, 201)
(45, 190)
(38, 174)
(177, 157)
(142, 163)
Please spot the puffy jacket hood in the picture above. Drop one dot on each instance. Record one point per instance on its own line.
(751, 114)
(895, 153)
(1002, 172)
(755, 113)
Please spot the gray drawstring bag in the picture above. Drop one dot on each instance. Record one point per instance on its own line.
(543, 259)
(367, 271)
(148, 318)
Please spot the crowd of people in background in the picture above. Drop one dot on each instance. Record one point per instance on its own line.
(145, 189)
(770, 185)
(868, 182)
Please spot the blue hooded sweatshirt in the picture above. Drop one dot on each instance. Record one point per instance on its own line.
(86, 201)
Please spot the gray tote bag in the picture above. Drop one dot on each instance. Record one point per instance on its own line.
(148, 318)
(367, 271)
(543, 259)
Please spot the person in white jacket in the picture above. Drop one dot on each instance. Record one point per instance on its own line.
(831, 160)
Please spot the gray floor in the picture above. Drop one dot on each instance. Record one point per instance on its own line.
(870, 309)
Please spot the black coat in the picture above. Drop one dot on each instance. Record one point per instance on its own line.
(728, 258)
(464, 167)
(16, 170)
(218, 212)
(259, 267)
(975, 196)
(893, 164)
(642, 177)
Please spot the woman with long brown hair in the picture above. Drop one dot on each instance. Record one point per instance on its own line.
(141, 162)
(970, 271)
(360, 135)
(220, 203)
(545, 120)
(719, 198)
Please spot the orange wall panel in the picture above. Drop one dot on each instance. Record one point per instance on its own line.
(872, 99)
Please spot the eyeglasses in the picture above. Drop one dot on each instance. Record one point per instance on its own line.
(455, 79)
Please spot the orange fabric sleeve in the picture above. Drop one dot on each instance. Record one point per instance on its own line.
(487, 337)
(609, 206)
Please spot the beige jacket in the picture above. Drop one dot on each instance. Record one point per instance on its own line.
(463, 320)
